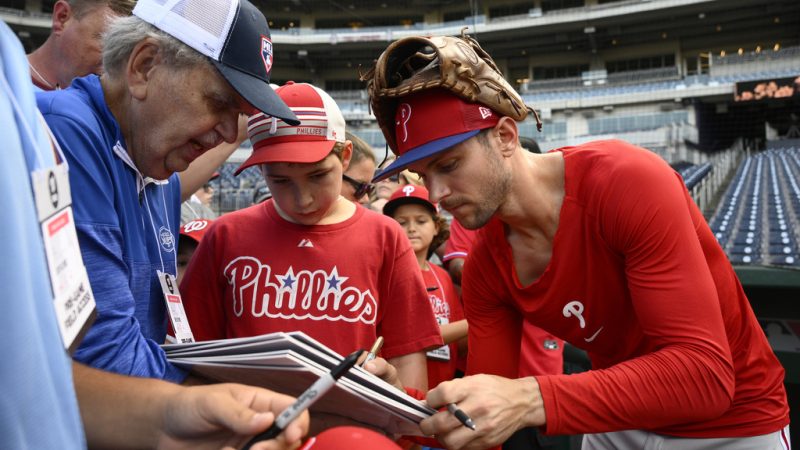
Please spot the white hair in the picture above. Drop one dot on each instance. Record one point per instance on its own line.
(125, 33)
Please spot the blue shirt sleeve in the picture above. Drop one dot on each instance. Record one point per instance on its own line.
(115, 342)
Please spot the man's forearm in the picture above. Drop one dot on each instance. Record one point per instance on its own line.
(118, 411)
(201, 169)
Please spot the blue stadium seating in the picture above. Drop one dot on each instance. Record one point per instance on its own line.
(758, 219)
(693, 174)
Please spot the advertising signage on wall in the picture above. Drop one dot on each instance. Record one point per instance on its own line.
(767, 89)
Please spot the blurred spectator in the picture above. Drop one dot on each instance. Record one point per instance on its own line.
(357, 185)
(74, 47)
(261, 193)
(199, 205)
(384, 189)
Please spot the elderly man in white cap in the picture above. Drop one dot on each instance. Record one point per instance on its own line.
(176, 77)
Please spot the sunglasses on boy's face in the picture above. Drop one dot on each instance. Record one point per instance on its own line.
(360, 187)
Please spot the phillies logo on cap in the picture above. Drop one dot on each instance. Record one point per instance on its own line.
(266, 52)
(408, 190)
(404, 115)
(195, 225)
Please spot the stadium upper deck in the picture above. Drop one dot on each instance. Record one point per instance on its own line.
(533, 40)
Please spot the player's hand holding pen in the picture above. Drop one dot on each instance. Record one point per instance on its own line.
(497, 406)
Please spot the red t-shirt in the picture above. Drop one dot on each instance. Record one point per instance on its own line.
(343, 284)
(636, 279)
(459, 242)
(446, 306)
(541, 353)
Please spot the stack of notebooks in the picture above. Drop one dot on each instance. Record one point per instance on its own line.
(291, 362)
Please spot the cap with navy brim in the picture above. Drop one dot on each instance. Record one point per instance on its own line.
(258, 93)
(422, 152)
(240, 65)
(233, 34)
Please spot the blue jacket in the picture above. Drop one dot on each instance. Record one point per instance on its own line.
(127, 228)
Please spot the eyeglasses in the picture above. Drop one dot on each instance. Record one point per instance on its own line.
(360, 187)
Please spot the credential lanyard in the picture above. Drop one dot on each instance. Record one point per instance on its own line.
(167, 281)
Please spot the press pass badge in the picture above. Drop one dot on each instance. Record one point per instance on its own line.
(72, 294)
(177, 315)
(442, 353)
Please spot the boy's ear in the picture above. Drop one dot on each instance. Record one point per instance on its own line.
(347, 153)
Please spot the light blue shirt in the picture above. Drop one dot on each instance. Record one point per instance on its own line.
(38, 407)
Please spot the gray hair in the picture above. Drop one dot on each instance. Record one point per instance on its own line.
(81, 8)
(125, 33)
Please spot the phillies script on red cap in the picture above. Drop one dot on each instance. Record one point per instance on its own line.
(431, 121)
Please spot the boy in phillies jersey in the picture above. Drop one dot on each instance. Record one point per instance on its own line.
(599, 244)
(308, 259)
(426, 229)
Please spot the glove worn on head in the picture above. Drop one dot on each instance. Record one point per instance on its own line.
(458, 64)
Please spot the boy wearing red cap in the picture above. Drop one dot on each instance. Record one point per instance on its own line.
(426, 230)
(308, 259)
(599, 244)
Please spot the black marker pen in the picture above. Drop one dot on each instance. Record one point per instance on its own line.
(308, 398)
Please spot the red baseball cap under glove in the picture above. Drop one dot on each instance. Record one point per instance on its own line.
(431, 121)
(321, 127)
(409, 194)
(349, 438)
(195, 229)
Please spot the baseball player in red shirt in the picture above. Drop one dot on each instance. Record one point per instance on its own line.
(599, 244)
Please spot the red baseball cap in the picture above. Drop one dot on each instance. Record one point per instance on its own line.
(349, 438)
(195, 229)
(431, 121)
(321, 127)
(409, 194)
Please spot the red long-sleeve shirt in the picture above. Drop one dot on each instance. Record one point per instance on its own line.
(636, 279)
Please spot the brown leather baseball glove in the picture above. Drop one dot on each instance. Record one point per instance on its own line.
(458, 64)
